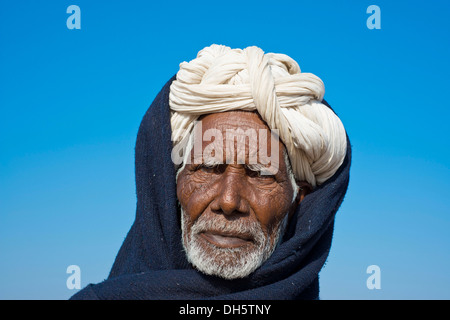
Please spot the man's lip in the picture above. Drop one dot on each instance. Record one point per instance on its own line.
(226, 240)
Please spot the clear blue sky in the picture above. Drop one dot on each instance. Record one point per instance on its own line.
(71, 102)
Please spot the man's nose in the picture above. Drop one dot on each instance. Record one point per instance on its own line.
(231, 200)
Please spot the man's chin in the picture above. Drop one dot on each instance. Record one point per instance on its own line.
(232, 262)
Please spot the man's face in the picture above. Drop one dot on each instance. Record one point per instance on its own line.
(232, 213)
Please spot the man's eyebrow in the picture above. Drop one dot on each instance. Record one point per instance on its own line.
(257, 167)
(211, 161)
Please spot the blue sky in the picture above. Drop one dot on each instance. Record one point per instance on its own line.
(72, 100)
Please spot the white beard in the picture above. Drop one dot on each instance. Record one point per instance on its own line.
(228, 263)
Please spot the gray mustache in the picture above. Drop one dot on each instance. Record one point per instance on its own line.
(245, 228)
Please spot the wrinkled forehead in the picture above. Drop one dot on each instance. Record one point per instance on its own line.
(234, 119)
(236, 137)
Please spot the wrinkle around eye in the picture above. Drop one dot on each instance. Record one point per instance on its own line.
(262, 177)
(216, 168)
(264, 184)
(258, 177)
(202, 174)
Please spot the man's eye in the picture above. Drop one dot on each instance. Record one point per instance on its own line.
(206, 168)
(209, 168)
(258, 174)
(253, 173)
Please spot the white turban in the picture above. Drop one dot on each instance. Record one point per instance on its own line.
(224, 79)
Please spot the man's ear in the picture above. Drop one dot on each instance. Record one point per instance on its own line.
(304, 189)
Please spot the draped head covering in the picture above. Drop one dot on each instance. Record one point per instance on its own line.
(151, 263)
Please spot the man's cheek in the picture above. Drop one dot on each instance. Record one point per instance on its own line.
(186, 191)
(273, 200)
(271, 210)
(197, 189)
(197, 196)
(281, 199)
(187, 185)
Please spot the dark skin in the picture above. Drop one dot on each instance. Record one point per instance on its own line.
(235, 191)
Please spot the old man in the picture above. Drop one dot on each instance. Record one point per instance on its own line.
(240, 169)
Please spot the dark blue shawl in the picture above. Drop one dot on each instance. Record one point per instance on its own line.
(151, 263)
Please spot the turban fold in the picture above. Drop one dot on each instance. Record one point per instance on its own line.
(222, 79)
